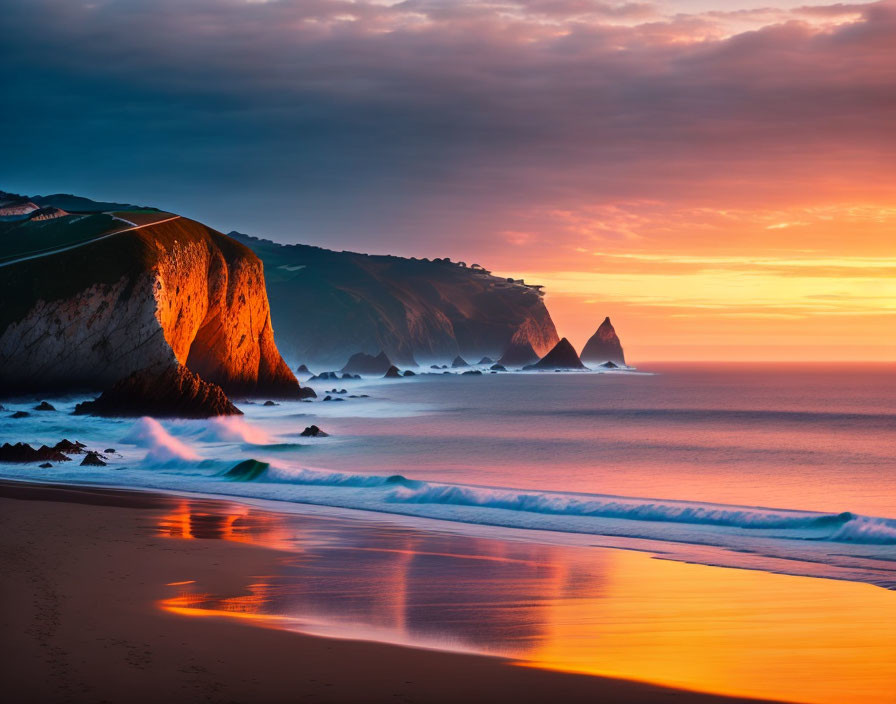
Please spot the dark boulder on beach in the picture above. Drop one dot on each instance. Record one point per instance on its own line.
(93, 459)
(392, 373)
(44, 406)
(175, 393)
(23, 453)
(604, 346)
(312, 431)
(367, 364)
(563, 356)
(459, 362)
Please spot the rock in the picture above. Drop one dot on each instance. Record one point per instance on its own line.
(109, 450)
(609, 365)
(44, 406)
(392, 373)
(328, 398)
(361, 363)
(69, 447)
(604, 346)
(563, 356)
(312, 431)
(92, 460)
(434, 366)
(351, 376)
(518, 355)
(325, 376)
(270, 403)
(498, 368)
(302, 369)
(459, 362)
(408, 372)
(170, 293)
(410, 309)
(175, 393)
(45, 465)
(486, 360)
(23, 453)
(20, 414)
(475, 372)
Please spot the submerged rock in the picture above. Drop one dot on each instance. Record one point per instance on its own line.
(175, 393)
(20, 414)
(45, 465)
(408, 372)
(474, 372)
(312, 431)
(604, 346)
(270, 403)
(351, 376)
(392, 373)
(23, 453)
(498, 368)
(44, 406)
(563, 356)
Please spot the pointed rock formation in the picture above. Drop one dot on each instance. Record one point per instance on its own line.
(518, 355)
(486, 360)
(459, 362)
(563, 356)
(367, 364)
(392, 373)
(604, 346)
(175, 393)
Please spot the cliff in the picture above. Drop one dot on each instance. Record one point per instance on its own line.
(604, 346)
(327, 306)
(91, 297)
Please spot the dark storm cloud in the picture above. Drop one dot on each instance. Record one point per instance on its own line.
(356, 121)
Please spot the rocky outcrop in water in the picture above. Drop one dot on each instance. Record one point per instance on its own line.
(603, 346)
(563, 356)
(167, 293)
(518, 354)
(23, 453)
(174, 393)
(328, 305)
(367, 364)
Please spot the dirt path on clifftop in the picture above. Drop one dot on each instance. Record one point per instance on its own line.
(58, 250)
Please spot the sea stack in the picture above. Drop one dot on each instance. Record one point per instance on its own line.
(367, 364)
(563, 356)
(459, 362)
(604, 346)
(518, 354)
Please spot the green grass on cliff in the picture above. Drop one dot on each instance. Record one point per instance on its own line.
(21, 238)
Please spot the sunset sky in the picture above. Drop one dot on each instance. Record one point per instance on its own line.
(718, 177)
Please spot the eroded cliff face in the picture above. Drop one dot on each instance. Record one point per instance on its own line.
(150, 298)
(328, 305)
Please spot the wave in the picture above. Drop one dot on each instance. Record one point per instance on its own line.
(611, 507)
(233, 429)
(254, 470)
(163, 448)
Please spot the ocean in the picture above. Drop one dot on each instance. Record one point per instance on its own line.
(780, 468)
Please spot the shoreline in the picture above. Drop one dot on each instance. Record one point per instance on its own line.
(84, 576)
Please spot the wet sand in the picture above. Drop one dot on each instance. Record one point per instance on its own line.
(82, 577)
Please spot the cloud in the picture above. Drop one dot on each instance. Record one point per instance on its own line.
(403, 127)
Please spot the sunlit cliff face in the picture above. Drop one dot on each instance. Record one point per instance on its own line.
(717, 177)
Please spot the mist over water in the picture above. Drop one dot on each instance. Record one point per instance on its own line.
(779, 468)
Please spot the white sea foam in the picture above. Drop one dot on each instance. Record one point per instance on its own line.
(162, 447)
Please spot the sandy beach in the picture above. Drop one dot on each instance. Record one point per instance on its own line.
(83, 575)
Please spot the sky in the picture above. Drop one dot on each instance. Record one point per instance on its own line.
(718, 177)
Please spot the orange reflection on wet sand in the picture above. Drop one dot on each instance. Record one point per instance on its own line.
(588, 610)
